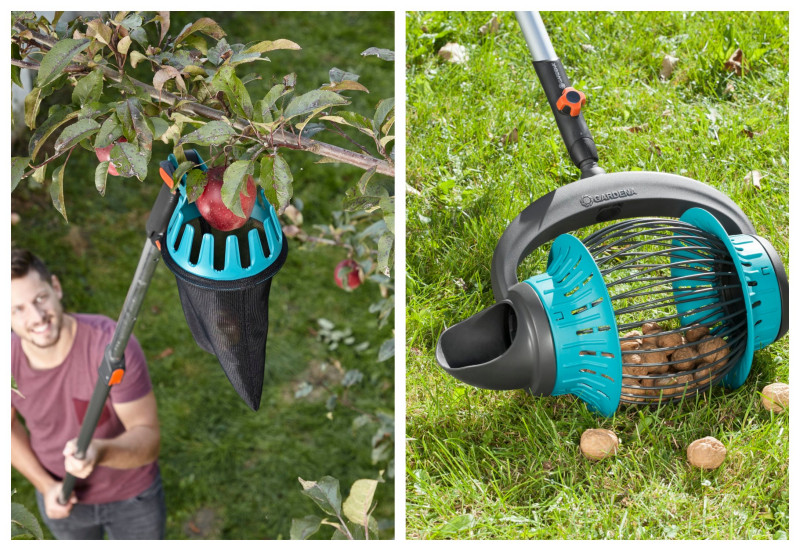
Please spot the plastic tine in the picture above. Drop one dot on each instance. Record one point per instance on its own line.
(232, 259)
(257, 253)
(206, 251)
(185, 248)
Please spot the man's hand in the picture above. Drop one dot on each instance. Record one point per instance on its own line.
(80, 468)
(52, 508)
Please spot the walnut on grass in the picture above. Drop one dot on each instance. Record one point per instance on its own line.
(597, 444)
(706, 453)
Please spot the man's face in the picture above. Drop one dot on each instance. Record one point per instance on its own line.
(36, 311)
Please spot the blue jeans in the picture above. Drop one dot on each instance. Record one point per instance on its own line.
(142, 517)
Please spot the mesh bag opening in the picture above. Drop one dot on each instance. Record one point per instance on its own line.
(229, 319)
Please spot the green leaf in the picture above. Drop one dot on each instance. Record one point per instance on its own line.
(59, 115)
(89, 88)
(100, 177)
(99, 31)
(205, 25)
(324, 493)
(350, 118)
(272, 96)
(59, 56)
(160, 126)
(385, 244)
(130, 160)
(365, 178)
(303, 528)
(138, 121)
(357, 505)
(24, 519)
(387, 206)
(182, 169)
(15, 71)
(213, 133)
(282, 183)
(384, 107)
(18, 166)
(76, 132)
(270, 45)
(364, 202)
(382, 53)
(312, 101)
(234, 182)
(32, 102)
(195, 183)
(229, 84)
(337, 75)
(109, 132)
(57, 190)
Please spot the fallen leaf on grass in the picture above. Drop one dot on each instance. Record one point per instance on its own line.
(588, 48)
(667, 66)
(729, 89)
(632, 129)
(753, 178)
(735, 63)
(511, 137)
(491, 27)
(165, 353)
(454, 53)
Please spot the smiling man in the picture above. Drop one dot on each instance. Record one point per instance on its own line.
(54, 361)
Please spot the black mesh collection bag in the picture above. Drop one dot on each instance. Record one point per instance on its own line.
(230, 319)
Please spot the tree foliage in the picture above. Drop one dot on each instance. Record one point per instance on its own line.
(135, 77)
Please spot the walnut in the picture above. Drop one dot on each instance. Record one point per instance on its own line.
(651, 327)
(598, 444)
(673, 380)
(635, 370)
(684, 358)
(635, 388)
(651, 356)
(630, 339)
(627, 346)
(704, 376)
(775, 397)
(696, 332)
(716, 348)
(706, 453)
(670, 340)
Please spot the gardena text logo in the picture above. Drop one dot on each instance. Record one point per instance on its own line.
(589, 200)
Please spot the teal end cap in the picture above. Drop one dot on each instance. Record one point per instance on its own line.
(742, 257)
(763, 289)
(584, 329)
(185, 212)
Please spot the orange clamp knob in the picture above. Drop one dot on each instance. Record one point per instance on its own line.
(571, 101)
(116, 377)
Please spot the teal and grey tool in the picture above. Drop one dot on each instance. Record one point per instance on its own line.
(672, 294)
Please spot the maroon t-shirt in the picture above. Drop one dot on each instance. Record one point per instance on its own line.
(55, 402)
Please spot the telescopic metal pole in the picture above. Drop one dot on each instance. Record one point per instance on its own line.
(112, 368)
(565, 101)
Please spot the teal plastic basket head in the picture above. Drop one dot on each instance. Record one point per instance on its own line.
(261, 246)
(588, 354)
(224, 280)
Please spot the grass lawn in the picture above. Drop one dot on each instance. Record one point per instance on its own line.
(229, 472)
(483, 464)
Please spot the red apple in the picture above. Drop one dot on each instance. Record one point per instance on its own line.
(104, 154)
(214, 210)
(348, 274)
